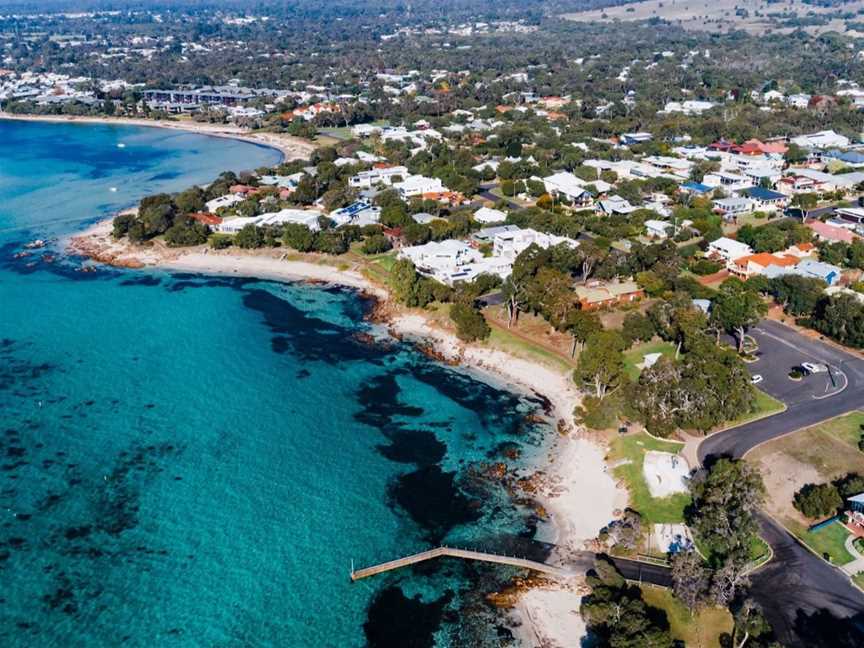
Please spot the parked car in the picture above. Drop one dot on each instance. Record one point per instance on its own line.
(812, 368)
(756, 379)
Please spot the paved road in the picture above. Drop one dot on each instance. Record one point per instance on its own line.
(799, 592)
(643, 572)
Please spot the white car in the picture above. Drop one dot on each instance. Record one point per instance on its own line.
(813, 368)
(756, 379)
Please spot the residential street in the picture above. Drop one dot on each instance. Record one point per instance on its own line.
(796, 584)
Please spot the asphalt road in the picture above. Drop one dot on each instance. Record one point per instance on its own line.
(801, 594)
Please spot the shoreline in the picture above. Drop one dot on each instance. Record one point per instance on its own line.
(569, 479)
(288, 146)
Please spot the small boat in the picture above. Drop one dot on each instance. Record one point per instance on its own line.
(121, 145)
(113, 189)
(34, 245)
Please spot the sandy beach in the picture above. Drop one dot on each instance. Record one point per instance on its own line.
(572, 483)
(292, 148)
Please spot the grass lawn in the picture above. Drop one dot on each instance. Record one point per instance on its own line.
(636, 354)
(765, 406)
(633, 447)
(505, 341)
(858, 579)
(700, 629)
(827, 540)
(344, 132)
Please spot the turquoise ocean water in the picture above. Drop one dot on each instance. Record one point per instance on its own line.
(193, 461)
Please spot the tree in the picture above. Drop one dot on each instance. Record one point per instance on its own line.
(798, 295)
(191, 200)
(517, 285)
(121, 224)
(726, 498)
(581, 324)
(470, 323)
(637, 327)
(736, 308)
(818, 500)
(249, 237)
(690, 579)
(298, 237)
(416, 233)
(186, 232)
(840, 317)
(601, 363)
(376, 244)
(749, 624)
(616, 614)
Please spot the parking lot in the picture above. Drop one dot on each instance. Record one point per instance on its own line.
(780, 350)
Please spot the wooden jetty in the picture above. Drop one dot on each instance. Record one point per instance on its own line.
(465, 554)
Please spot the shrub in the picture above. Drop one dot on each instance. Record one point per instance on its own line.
(221, 241)
(375, 244)
(705, 267)
(250, 237)
(470, 323)
(818, 500)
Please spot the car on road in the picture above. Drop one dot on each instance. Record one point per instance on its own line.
(756, 379)
(812, 368)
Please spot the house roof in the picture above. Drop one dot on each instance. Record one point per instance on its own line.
(760, 193)
(831, 232)
(604, 292)
(765, 259)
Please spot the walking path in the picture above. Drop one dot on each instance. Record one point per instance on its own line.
(856, 565)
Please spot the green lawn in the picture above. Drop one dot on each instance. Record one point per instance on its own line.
(506, 341)
(765, 406)
(827, 540)
(344, 132)
(633, 447)
(701, 629)
(636, 354)
(858, 579)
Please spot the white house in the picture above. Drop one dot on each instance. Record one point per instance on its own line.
(368, 179)
(689, 107)
(445, 261)
(357, 213)
(511, 244)
(487, 215)
(222, 201)
(657, 228)
(730, 181)
(615, 205)
(417, 185)
(822, 139)
(728, 249)
(732, 207)
(566, 185)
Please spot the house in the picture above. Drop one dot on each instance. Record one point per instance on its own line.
(755, 264)
(512, 243)
(730, 181)
(488, 234)
(385, 176)
(657, 228)
(728, 249)
(822, 140)
(628, 139)
(424, 218)
(795, 184)
(731, 208)
(850, 214)
(765, 199)
(418, 185)
(828, 273)
(487, 215)
(696, 188)
(568, 186)
(615, 205)
(359, 213)
(222, 201)
(442, 260)
(596, 294)
(206, 218)
(830, 233)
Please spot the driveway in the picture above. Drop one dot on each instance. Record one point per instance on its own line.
(799, 592)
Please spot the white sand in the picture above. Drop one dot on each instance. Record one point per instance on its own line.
(549, 617)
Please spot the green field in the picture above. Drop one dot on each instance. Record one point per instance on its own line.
(703, 628)
(636, 353)
(827, 541)
(765, 406)
(632, 447)
(344, 132)
(506, 341)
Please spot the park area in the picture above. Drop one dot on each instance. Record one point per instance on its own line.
(702, 628)
(815, 455)
(627, 454)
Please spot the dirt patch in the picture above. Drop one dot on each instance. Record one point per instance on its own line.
(784, 476)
